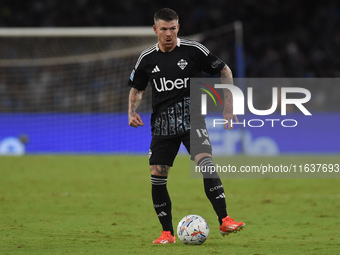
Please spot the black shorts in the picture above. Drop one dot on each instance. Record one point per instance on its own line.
(163, 151)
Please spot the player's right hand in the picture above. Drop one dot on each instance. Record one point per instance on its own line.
(135, 120)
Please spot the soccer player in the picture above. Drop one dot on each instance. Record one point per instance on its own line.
(168, 65)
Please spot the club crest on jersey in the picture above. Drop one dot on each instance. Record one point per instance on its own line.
(182, 63)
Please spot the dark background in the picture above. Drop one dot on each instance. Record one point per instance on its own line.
(290, 39)
(282, 38)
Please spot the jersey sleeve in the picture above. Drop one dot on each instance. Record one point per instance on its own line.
(138, 78)
(209, 63)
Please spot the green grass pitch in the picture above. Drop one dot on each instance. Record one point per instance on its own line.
(102, 205)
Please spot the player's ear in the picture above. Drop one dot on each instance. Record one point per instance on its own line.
(154, 29)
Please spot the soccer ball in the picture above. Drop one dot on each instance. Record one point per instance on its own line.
(193, 229)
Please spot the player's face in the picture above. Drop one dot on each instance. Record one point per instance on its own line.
(167, 34)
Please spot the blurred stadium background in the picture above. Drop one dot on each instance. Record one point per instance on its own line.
(68, 94)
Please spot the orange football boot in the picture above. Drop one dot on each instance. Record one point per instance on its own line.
(230, 226)
(165, 238)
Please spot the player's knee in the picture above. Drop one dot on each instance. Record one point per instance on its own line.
(200, 156)
(207, 167)
(159, 170)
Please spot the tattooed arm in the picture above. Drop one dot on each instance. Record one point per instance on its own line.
(227, 78)
(135, 98)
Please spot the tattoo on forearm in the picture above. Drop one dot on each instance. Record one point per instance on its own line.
(162, 170)
(228, 97)
(135, 99)
(227, 78)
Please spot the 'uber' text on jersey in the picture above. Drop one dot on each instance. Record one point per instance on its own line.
(167, 85)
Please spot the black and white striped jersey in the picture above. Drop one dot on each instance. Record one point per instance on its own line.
(169, 75)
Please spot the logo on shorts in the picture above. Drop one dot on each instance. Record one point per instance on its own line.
(206, 142)
(150, 153)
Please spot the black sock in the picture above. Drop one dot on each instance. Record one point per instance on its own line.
(162, 202)
(213, 188)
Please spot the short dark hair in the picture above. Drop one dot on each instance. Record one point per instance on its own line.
(166, 14)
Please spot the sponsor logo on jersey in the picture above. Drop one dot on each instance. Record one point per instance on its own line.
(156, 69)
(168, 85)
(182, 63)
